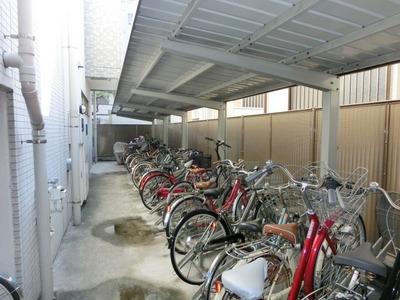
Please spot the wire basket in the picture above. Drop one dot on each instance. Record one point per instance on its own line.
(389, 219)
(352, 192)
(353, 196)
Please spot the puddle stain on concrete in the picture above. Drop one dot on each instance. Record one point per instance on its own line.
(125, 231)
(122, 289)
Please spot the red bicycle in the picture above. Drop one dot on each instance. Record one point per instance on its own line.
(155, 184)
(334, 203)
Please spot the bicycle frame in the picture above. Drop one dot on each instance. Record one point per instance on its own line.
(305, 269)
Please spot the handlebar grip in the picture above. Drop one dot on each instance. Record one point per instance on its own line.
(226, 145)
(332, 197)
(256, 175)
(208, 139)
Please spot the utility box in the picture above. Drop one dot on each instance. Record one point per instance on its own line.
(56, 196)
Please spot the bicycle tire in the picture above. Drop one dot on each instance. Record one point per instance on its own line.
(181, 208)
(277, 281)
(266, 212)
(148, 193)
(240, 204)
(325, 273)
(8, 290)
(191, 252)
(139, 170)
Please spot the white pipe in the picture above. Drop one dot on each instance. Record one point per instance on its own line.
(24, 61)
(95, 126)
(75, 126)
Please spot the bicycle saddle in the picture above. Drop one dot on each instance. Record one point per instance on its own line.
(213, 193)
(251, 226)
(287, 231)
(247, 281)
(362, 258)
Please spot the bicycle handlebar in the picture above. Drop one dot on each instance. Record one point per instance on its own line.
(227, 162)
(270, 166)
(218, 142)
(329, 181)
(374, 186)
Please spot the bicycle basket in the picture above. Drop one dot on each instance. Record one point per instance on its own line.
(389, 218)
(353, 195)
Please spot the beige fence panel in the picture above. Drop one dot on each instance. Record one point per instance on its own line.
(108, 134)
(362, 143)
(257, 139)
(292, 137)
(393, 166)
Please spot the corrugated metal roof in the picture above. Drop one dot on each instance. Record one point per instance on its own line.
(184, 54)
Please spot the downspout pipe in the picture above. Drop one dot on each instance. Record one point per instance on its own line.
(75, 125)
(24, 61)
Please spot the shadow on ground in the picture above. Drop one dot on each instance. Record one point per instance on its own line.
(122, 289)
(125, 231)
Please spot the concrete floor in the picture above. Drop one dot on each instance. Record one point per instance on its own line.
(94, 262)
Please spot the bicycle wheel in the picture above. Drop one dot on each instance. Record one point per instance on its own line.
(179, 209)
(277, 280)
(345, 237)
(8, 290)
(139, 170)
(240, 205)
(148, 193)
(192, 250)
(266, 210)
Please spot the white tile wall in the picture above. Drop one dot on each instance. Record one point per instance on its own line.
(52, 84)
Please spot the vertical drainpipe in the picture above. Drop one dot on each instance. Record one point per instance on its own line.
(24, 61)
(75, 102)
(95, 126)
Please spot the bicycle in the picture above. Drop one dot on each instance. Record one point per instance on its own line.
(372, 271)
(332, 228)
(155, 184)
(9, 289)
(221, 171)
(223, 197)
(201, 234)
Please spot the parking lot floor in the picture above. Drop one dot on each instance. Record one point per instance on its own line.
(116, 252)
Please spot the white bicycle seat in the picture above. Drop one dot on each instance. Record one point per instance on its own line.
(247, 281)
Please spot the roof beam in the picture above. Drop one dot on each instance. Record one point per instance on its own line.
(226, 84)
(287, 16)
(189, 12)
(150, 67)
(341, 41)
(282, 19)
(139, 116)
(190, 77)
(368, 63)
(177, 98)
(313, 79)
(155, 109)
(265, 89)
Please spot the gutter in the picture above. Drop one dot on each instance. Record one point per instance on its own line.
(24, 61)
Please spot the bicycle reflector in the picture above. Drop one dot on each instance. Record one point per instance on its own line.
(168, 208)
(218, 287)
(213, 224)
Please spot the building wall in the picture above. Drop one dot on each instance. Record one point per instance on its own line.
(52, 82)
(379, 84)
(107, 28)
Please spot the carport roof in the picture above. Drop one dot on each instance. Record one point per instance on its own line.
(185, 54)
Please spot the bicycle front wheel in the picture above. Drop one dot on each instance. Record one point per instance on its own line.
(148, 193)
(345, 237)
(8, 290)
(194, 245)
(139, 170)
(179, 209)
